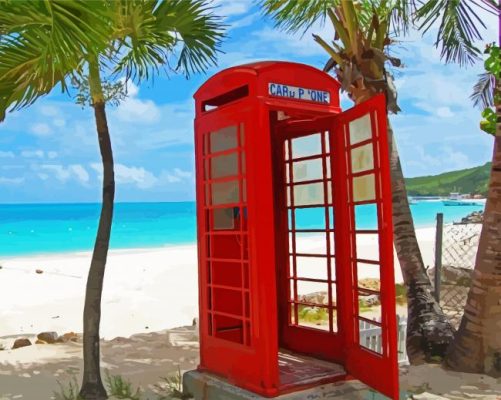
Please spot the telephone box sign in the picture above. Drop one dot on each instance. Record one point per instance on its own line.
(299, 93)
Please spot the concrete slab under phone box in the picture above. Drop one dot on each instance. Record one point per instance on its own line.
(296, 372)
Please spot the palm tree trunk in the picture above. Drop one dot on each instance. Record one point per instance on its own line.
(477, 345)
(428, 329)
(92, 385)
(429, 332)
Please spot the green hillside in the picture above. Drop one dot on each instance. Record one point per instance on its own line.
(471, 180)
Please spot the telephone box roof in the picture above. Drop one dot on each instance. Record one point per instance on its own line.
(257, 75)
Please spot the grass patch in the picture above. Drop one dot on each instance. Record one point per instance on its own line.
(363, 306)
(312, 315)
(173, 388)
(401, 294)
(121, 388)
(69, 391)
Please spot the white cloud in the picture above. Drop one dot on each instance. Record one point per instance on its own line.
(175, 176)
(60, 172)
(182, 174)
(444, 112)
(33, 153)
(12, 167)
(231, 8)
(283, 44)
(245, 21)
(59, 122)
(51, 154)
(11, 181)
(43, 176)
(63, 174)
(142, 178)
(138, 176)
(6, 154)
(455, 159)
(40, 129)
(49, 111)
(136, 110)
(80, 172)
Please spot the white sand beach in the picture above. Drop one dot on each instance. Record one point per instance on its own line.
(147, 294)
(145, 290)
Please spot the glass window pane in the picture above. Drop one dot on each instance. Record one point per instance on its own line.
(307, 170)
(367, 246)
(223, 218)
(364, 188)
(333, 268)
(362, 158)
(369, 276)
(360, 129)
(225, 192)
(312, 292)
(370, 336)
(310, 218)
(311, 267)
(366, 216)
(308, 243)
(327, 140)
(311, 194)
(306, 146)
(223, 139)
(226, 165)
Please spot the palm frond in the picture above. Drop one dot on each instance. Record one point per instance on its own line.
(149, 32)
(458, 30)
(42, 43)
(297, 15)
(483, 91)
(199, 32)
(402, 16)
(141, 47)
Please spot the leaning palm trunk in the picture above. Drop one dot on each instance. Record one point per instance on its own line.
(428, 330)
(477, 346)
(92, 385)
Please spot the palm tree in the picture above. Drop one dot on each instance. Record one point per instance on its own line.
(358, 54)
(45, 43)
(477, 344)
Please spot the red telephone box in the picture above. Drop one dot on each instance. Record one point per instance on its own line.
(286, 183)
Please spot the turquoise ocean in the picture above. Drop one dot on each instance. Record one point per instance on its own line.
(27, 229)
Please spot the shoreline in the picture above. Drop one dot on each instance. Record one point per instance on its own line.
(145, 290)
(79, 253)
(120, 250)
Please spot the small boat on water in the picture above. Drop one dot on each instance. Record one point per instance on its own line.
(457, 199)
(412, 200)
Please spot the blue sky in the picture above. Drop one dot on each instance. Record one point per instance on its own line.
(49, 152)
